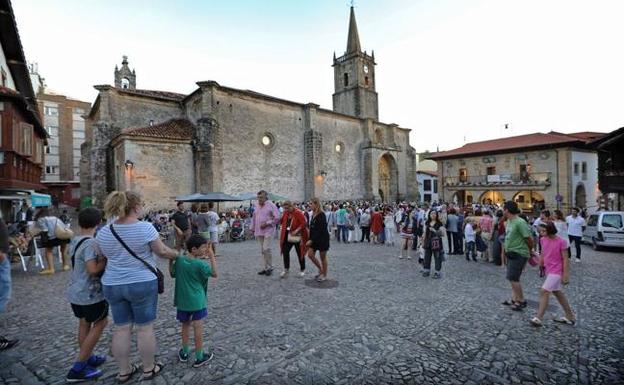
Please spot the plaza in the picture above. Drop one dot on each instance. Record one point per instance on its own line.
(381, 322)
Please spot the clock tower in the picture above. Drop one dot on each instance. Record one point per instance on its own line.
(354, 78)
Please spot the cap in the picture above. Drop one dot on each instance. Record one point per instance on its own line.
(512, 207)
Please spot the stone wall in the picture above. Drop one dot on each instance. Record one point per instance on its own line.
(162, 170)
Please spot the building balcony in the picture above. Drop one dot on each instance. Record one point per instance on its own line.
(611, 181)
(538, 179)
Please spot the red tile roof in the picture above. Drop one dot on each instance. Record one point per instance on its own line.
(517, 143)
(179, 129)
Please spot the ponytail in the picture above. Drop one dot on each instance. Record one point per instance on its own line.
(120, 203)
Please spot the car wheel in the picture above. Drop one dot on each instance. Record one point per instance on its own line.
(595, 245)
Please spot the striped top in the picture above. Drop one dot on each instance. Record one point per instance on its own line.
(121, 267)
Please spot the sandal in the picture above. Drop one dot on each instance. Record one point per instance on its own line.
(536, 322)
(123, 378)
(149, 375)
(564, 320)
(510, 302)
(517, 306)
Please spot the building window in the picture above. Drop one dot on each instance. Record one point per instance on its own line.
(576, 168)
(346, 79)
(27, 136)
(79, 134)
(491, 170)
(4, 78)
(47, 149)
(365, 80)
(463, 175)
(435, 186)
(427, 198)
(427, 185)
(52, 130)
(584, 170)
(525, 171)
(267, 141)
(79, 111)
(125, 83)
(50, 111)
(50, 169)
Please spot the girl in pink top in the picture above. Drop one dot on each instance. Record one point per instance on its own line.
(554, 260)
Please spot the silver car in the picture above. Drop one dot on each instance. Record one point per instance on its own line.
(605, 228)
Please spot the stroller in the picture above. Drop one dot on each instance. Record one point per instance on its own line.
(236, 231)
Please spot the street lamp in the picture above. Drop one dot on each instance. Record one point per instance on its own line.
(129, 165)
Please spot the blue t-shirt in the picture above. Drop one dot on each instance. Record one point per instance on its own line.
(122, 268)
(341, 217)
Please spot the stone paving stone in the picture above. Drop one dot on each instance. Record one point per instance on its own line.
(383, 324)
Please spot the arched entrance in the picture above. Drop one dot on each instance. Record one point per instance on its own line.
(492, 197)
(580, 197)
(388, 175)
(462, 198)
(530, 201)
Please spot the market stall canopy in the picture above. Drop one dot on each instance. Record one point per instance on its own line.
(208, 197)
(36, 199)
(249, 196)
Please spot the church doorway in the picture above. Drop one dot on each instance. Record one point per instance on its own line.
(388, 175)
(580, 197)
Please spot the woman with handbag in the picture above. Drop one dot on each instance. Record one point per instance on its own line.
(132, 281)
(53, 234)
(294, 233)
(434, 233)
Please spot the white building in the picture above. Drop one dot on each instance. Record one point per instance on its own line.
(427, 185)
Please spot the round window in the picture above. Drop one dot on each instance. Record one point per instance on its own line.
(267, 140)
(338, 148)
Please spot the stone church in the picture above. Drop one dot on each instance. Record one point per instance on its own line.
(164, 144)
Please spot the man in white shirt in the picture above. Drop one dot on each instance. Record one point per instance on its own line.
(576, 225)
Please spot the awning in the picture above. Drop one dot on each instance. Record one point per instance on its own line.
(40, 200)
(208, 197)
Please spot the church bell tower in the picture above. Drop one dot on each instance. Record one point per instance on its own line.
(354, 78)
(124, 77)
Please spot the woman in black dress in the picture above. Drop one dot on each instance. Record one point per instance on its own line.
(319, 239)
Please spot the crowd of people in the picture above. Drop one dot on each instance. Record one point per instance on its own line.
(113, 264)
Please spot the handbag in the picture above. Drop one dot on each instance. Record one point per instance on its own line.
(62, 232)
(159, 275)
(293, 238)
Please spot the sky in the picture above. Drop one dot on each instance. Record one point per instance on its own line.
(453, 71)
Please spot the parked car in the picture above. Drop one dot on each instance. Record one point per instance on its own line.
(605, 228)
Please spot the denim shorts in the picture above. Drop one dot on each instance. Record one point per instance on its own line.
(133, 303)
(5, 282)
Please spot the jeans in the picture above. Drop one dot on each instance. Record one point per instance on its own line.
(577, 245)
(343, 232)
(5, 282)
(133, 303)
(450, 236)
(470, 248)
(286, 254)
(365, 233)
(437, 257)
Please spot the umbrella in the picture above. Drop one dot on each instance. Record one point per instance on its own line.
(208, 197)
(248, 196)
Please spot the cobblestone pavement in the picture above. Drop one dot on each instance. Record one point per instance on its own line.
(383, 323)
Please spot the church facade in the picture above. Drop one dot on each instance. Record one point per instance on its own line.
(164, 144)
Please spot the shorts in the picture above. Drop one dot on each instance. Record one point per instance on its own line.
(552, 282)
(133, 303)
(214, 237)
(187, 316)
(515, 265)
(54, 242)
(91, 313)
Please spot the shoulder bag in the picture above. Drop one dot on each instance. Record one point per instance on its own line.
(159, 275)
(61, 232)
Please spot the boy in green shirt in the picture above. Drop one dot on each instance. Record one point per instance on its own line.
(191, 283)
(518, 245)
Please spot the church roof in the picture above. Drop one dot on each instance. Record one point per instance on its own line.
(177, 129)
(353, 40)
(517, 143)
(174, 96)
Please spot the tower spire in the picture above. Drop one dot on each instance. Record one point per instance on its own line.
(353, 41)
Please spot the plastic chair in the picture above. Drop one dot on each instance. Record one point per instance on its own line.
(34, 253)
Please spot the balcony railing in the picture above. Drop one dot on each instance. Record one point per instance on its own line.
(521, 179)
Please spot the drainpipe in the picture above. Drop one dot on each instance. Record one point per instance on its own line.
(557, 171)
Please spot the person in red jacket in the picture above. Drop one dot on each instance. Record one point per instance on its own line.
(294, 233)
(376, 225)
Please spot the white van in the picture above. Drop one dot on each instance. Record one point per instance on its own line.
(605, 228)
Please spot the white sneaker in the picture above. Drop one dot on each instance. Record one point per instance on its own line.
(302, 274)
(284, 274)
(577, 259)
(401, 256)
(409, 256)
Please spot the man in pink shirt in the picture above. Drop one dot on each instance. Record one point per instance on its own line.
(265, 217)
